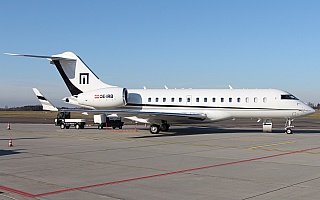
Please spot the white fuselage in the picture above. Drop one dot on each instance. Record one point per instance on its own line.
(216, 104)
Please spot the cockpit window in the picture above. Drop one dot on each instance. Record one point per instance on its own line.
(289, 96)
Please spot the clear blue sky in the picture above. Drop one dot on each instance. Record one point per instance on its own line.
(187, 43)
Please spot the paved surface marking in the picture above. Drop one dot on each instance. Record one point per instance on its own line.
(155, 175)
(95, 136)
(16, 191)
(271, 145)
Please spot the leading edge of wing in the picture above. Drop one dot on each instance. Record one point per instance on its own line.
(37, 56)
(195, 116)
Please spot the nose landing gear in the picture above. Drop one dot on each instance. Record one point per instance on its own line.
(288, 126)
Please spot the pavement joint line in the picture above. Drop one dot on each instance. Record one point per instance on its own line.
(281, 150)
(154, 175)
(281, 188)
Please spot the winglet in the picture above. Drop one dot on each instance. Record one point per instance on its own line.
(44, 102)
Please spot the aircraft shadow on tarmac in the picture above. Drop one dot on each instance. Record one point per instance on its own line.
(214, 130)
(9, 152)
(27, 138)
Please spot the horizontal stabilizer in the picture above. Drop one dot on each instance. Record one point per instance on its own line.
(44, 102)
(37, 56)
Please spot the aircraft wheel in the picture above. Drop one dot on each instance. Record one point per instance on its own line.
(154, 129)
(62, 126)
(289, 131)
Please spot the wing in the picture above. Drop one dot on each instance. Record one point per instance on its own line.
(170, 117)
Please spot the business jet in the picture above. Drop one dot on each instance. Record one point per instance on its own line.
(164, 107)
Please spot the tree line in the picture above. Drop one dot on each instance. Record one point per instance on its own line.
(314, 106)
(23, 108)
(33, 108)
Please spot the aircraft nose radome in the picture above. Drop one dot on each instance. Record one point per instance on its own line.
(312, 111)
(308, 110)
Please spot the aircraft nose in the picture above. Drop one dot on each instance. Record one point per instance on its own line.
(312, 111)
(308, 110)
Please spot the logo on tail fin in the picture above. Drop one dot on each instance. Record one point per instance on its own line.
(84, 78)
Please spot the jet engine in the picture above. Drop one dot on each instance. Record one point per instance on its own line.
(104, 98)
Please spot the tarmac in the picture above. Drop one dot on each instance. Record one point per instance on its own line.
(188, 162)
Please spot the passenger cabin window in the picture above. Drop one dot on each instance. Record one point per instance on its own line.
(149, 99)
(205, 99)
(172, 99)
(264, 99)
(238, 100)
(247, 99)
(222, 100)
(197, 99)
(164, 99)
(230, 100)
(255, 99)
(157, 99)
(180, 99)
(213, 100)
(188, 99)
(289, 96)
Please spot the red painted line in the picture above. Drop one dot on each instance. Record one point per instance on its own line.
(17, 191)
(151, 176)
(171, 173)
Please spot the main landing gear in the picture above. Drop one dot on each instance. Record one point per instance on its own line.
(288, 126)
(155, 128)
(267, 126)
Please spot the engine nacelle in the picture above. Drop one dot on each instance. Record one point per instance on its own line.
(104, 98)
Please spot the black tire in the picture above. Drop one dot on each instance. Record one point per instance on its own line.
(62, 126)
(120, 127)
(164, 127)
(154, 129)
(289, 131)
(99, 127)
(67, 127)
